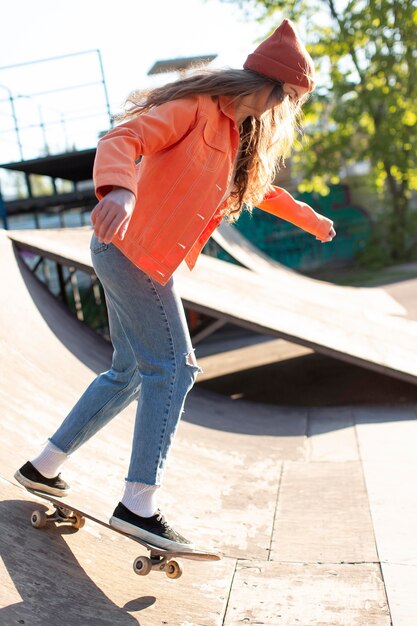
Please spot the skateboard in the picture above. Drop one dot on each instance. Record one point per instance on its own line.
(158, 560)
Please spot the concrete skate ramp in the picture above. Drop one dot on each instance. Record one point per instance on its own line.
(339, 326)
(284, 497)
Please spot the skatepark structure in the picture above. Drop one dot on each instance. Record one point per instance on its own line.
(314, 510)
(348, 325)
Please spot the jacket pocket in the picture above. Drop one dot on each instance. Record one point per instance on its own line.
(208, 148)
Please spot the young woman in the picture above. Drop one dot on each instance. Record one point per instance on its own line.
(208, 145)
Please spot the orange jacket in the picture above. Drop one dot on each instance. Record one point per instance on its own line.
(188, 148)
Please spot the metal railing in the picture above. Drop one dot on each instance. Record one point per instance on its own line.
(23, 137)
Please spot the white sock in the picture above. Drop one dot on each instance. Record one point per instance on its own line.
(140, 498)
(49, 460)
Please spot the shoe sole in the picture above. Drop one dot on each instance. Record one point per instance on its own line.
(144, 535)
(31, 484)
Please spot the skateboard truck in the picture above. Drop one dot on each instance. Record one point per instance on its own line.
(61, 515)
(143, 565)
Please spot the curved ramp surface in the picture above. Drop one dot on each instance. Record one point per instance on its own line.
(280, 491)
(242, 250)
(354, 333)
(47, 359)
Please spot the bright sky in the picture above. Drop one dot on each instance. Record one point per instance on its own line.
(131, 36)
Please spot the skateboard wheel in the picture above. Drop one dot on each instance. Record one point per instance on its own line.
(38, 519)
(142, 565)
(79, 520)
(173, 569)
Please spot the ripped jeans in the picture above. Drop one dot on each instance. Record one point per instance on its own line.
(153, 361)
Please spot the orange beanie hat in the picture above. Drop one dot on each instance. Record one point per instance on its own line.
(282, 56)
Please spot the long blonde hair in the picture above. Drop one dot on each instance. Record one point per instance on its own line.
(264, 142)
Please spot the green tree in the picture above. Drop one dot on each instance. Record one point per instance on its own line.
(365, 106)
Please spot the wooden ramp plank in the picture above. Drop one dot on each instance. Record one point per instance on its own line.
(400, 584)
(323, 515)
(387, 440)
(290, 594)
(248, 357)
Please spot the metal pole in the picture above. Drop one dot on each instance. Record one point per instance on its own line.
(42, 125)
(28, 184)
(3, 212)
(41, 122)
(64, 130)
(103, 80)
(61, 281)
(16, 126)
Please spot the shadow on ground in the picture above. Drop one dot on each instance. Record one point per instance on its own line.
(40, 564)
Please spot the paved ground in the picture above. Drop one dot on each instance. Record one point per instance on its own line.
(313, 505)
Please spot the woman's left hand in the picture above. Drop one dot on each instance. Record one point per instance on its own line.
(329, 237)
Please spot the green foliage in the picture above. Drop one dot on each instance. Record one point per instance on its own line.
(364, 108)
(376, 254)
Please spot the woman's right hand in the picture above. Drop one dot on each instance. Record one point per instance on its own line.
(111, 216)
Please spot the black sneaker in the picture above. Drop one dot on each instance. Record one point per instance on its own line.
(29, 477)
(154, 530)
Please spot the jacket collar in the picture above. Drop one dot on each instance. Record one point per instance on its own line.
(227, 106)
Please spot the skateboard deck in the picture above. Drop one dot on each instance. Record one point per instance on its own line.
(159, 559)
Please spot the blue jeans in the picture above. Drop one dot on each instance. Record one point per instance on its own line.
(153, 361)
